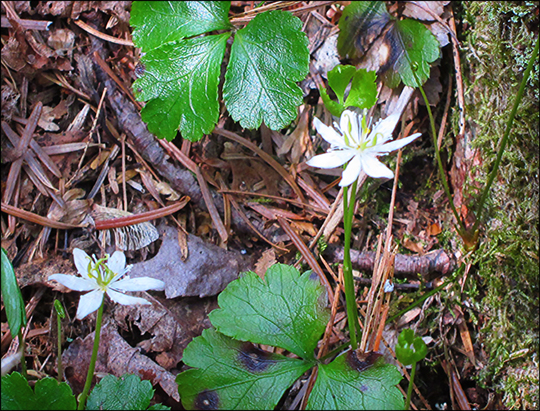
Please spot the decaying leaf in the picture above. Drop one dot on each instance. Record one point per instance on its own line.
(206, 271)
(115, 357)
(133, 237)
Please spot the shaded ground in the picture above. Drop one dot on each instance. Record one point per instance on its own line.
(482, 328)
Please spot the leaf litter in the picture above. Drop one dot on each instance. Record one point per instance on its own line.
(208, 268)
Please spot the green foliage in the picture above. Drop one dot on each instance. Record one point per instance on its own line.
(125, 393)
(348, 383)
(160, 22)
(48, 394)
(182, 68)
(267, 57)
(12, 297)
(412, 47)
(363, 92)
(234, 375)
(287, 310)
(410, 348)
(181, 81)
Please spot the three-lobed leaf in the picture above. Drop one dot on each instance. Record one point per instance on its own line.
(349, 383)
(181, 81)
(125, 393)
(419, 48)
(409, 46)
(285, 309)
(268, 57)
(410, 347)
(12, 297)
(362, 94)
(160, 22)
(233, 375)
(48, 394)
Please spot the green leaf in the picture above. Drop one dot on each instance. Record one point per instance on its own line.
(125, 393)
(408, 44)
(332, 106)
(410, 348)
(360, 24)
(49, 394)
(363, 92)
(285, 309)
(11, 294)
(267, 57)
(181, 81)
(339, 78)
(419, 48)
(233, 375)
(158, 407)
(349, 383)
(158, 22)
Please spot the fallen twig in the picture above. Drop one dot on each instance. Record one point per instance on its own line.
(436, 263)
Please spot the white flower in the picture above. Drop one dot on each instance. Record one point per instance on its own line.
(102, 276)
(356, 142)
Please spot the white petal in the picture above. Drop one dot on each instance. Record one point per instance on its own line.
(117, 262)
(396, 144)
(126, 299)
(82, 260)
(74, 283)
(121, 273)
(332, 159)
(89, 303)
(351, 172)
(374, 168)
(349, 126)
(329, 134)
(386, 127)
(138, 284)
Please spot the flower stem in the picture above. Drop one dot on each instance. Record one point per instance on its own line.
(92, 367)
(504, 139)
(59, 322)
(350, 296)
(23, 359)
(439, 161)
(411, 383)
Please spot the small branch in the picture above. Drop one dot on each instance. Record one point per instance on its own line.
(436, 263)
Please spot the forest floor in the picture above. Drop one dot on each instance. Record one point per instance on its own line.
(482, 326)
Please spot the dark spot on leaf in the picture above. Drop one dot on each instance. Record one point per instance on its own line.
(139, 69)
(206, 400)
(254, 359)
(364, 388)
(313, 276)
(362, 361)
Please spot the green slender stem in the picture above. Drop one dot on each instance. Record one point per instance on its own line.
(439, 161)
(411, 383)
(60, 371)
(350, 296)
(23, 359)
(419, 301)
(92, 367)
(504, 139)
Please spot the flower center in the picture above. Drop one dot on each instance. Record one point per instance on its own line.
(99, 271)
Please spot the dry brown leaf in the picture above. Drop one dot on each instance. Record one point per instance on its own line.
(206, 271)
(415, 12)
(413, 246)
(115, 357)
(267, 259)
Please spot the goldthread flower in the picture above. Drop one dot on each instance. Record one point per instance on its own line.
(357, 143)
(102, 277)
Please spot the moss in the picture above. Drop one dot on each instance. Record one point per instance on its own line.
(495, 53)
